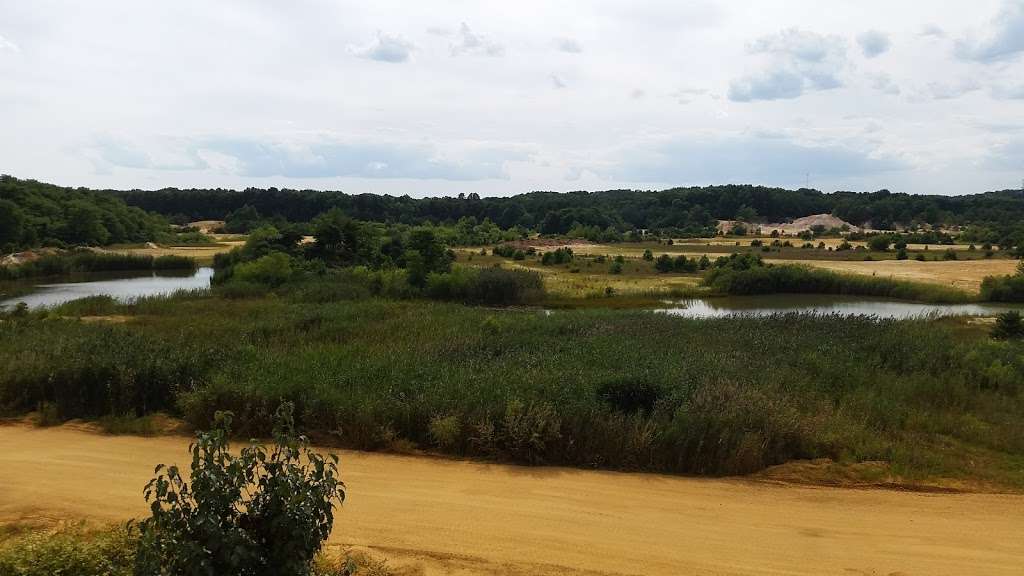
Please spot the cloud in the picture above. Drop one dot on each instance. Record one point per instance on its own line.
(762, 159)
(932, 31)
(688, 95)
(171, 154)
(771, 85)
(638, 94)
(950, 91)
(6, 44)
(884, 84)
(385, 48)
(557, 83)
(1004, 41)
(307, 158)
(1007, 156)
(568, 45)
(1008, 92)
(798, 62)
(471, 43)
(874, 43)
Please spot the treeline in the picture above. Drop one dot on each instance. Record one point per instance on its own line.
(36, 214)
(557, 213)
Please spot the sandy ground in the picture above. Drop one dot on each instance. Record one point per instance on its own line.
(963, 274)
(461, 518)
(200, 253)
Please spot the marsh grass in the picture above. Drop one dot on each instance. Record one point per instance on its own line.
(592, 388)
(79, 261)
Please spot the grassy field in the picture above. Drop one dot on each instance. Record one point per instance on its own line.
(585, 277)
(590, 388)
(201, 254)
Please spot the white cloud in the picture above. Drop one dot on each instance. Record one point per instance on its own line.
(1008, 92)
(470, 42)
(385, 48)
(951, 90)
(1004, 40)
(568, 45)
(798, 61)
(884, 83)
(302, 95)
(6, 44)
(874, 43)
(773, 159)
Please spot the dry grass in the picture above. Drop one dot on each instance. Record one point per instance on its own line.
(963, 274)
(202, 254)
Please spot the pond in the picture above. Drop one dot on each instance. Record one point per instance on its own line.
(824, 304)
(124, 287)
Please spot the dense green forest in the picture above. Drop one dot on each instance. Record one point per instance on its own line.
(40, 213)
(556, 213)
(36, 214)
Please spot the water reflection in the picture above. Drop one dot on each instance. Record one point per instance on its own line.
(822, 304)
(121, 288)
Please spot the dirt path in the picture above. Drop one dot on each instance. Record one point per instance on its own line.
(464, 518)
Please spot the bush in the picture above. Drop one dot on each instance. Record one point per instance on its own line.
(880, 242)
(272, 270)
(795, 279)
(495, 286)
(257, 513)
(1009, 326)
(559, 256)
(71, 551)
(1003, 288)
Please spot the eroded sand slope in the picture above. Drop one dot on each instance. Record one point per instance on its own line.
(465, 518)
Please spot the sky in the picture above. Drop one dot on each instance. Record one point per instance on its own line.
(439, 98)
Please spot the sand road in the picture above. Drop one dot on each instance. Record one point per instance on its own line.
(454, 517)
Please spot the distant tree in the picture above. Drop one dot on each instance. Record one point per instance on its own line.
(901, 254)
(879, 243)
(342, 241)
(242, 220)
(1009, 326)
(746, 214)
(84, 224)
(648, 255)
(425, 253)
(663, 263)
(12, 224)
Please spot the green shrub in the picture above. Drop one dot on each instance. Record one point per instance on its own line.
(261, 512)
(495, 286)
(71, 551)
(272, 270)
(1003, 288)
(1009, 326)
(796, 279)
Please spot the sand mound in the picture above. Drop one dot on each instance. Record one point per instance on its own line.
(807, 222)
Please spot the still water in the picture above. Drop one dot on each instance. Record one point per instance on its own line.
(824, 304)
(122, 287)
